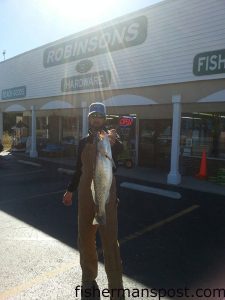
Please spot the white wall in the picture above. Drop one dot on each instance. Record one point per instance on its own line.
(177, 31)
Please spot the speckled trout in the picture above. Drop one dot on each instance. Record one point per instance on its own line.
(102, 176)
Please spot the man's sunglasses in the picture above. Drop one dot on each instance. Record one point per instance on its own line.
(99, 116)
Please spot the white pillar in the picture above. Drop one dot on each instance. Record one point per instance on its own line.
(174, 176)
(33, 151)
(1, 125)
(84, 119)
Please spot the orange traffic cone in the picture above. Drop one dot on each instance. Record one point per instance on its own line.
(203, 168)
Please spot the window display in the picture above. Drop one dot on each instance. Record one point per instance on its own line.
(201, 131)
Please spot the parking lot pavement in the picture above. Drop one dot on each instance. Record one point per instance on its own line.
(166, 243)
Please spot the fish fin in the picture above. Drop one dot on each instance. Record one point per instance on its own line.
(99, 220)
(107, 200)
(93, 190)
(113, 163)
(110, 158)
(102, 151)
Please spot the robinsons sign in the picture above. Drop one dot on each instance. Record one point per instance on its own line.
(126, 34)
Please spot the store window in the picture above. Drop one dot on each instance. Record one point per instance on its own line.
(41, 127)
(70, 130)
(126, 128)
(203, 131)
(70, 135)
(155, 143)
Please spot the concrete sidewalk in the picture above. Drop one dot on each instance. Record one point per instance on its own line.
(160, 177)
(151, 175)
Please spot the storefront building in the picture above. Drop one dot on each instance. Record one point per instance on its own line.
(163, 65)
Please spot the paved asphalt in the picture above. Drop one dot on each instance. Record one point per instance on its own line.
(166, 244)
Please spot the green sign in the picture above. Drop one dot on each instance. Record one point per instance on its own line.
(209, 63)
(95, 80)
(84, 66)
(14, 93)
(123, 35)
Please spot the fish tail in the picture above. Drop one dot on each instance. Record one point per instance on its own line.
(99, 220)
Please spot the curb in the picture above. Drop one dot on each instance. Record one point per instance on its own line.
(29, 163)
(43, 163)
(65, 171)
(152, 190)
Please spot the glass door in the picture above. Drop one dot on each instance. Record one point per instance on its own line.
(155, 143)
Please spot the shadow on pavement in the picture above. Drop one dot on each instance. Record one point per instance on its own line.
(176, 255)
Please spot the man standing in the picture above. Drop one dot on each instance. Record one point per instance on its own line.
(82, 179)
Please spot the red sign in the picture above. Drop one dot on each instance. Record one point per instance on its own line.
(126, 121)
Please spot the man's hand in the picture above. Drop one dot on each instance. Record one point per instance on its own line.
(112, 136)
(67, 198)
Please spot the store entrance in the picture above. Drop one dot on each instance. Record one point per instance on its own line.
(155, 143)
(125, 126)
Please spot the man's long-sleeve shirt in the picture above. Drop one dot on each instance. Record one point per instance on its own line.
(116, 149)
